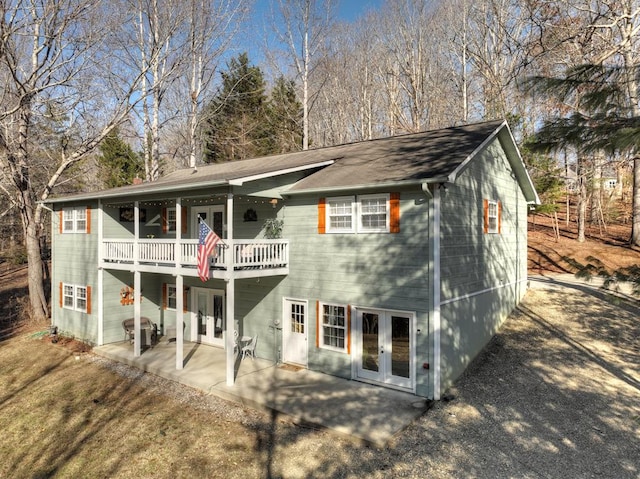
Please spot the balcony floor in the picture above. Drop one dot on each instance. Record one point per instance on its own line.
(369, 413)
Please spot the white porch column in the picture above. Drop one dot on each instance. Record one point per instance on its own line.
(231, 293)
(136, 281)
(136, 313)
(436, 293)
(230, 339)
(179, 322)
(178, 249)
(100, 276)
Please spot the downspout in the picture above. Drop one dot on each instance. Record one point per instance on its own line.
(136, 280)
(231, 292)
(435, 279)
(179, 289)
(100, 275)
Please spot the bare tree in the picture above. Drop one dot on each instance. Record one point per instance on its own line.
(303, 27)
(55, 70)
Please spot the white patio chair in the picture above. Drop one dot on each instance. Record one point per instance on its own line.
(250, 349)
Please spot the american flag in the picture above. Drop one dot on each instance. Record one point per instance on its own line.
(206, 244)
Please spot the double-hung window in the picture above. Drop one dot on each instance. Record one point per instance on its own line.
(75, 297)
(340, 214)
(492, 216)
(74, 220)
(358, 214)
(333, 327)
(373, 213)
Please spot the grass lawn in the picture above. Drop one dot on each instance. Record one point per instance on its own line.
(63, 415)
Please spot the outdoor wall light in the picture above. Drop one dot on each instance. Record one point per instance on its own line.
(274, 202)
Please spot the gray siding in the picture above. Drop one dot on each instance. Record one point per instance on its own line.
(483, 275)
(75, 259)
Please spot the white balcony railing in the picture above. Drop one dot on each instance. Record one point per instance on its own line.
(246, 254)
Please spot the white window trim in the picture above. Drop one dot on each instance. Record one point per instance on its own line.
(175, 296)
(495, 217)
(172, 224)
(322, 325)
(335, 199)
(356, 214)
(74, 219)
(361, 227)
(75, 296)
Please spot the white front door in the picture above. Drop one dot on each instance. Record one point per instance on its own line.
(208, 318)
(384, 347)
(294, 332)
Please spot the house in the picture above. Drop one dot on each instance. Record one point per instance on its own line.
(399, 257)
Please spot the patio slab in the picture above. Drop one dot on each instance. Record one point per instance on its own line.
(362, 411)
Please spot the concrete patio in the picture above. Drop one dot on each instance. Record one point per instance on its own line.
(362, 411)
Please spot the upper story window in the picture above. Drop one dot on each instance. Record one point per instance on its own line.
(340, 214)
(373, 213)
(377, 213)
(75, 220)
(492, 216)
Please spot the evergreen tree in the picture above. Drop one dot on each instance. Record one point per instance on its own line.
(118, 163)
(236, 125)
(285, 117)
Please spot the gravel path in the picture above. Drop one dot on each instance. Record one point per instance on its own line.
(555, 394)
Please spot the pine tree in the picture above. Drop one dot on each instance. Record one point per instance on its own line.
(236, 125)
(118, 163)
(285, 117)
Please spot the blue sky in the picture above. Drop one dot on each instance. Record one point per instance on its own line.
(349, 10)
(252, 41)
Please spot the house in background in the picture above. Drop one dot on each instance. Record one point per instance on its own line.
(399, 257)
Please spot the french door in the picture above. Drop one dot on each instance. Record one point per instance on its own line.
(294, 332)
(208, 318)
(385, 347)
(213, 215)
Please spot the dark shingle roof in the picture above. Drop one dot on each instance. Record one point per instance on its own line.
(427, 156)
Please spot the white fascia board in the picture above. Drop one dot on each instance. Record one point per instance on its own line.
(453, 175)
(95, 195)
(388, 184)
(262, 176)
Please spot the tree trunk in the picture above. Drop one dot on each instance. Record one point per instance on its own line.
(635, 223)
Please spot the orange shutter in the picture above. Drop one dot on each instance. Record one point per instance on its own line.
(499, 217)
(184, 300)
(183, 219)
(486, 215)
(165, 220)
(61, 220)
(88, 299)
(317, 324)
(88, 220)
(164, 295)
(348, 329)
(60, 293)
(322, 209)
(394, 213)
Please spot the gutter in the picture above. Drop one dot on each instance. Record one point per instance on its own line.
(387, 184)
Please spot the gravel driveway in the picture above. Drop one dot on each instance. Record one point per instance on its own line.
(556, 394)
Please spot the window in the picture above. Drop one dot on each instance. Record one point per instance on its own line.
(374, 213)
(171, 296)
(169, 220)
(340, 214)
(75, 297)
(379, 213)
(333, 329)
(75, 220)
(492, 216)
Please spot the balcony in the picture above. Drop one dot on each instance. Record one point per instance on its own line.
(242, 258)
